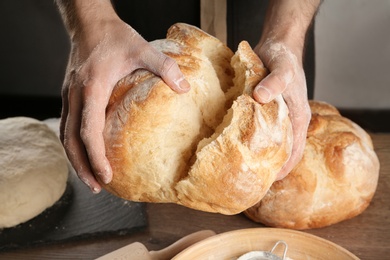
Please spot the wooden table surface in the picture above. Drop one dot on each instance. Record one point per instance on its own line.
(367, 235)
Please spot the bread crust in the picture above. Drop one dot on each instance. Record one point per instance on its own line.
(335, 180)
(193, 149)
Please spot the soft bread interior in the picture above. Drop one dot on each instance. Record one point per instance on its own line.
(246, 128)
(238, 83)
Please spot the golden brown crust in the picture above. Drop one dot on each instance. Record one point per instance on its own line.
(237, 168)
(186, 148)
(335, 180)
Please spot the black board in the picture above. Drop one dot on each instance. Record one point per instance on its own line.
(78, 214)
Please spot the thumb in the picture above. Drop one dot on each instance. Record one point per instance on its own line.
(167, 68)
(271, 86)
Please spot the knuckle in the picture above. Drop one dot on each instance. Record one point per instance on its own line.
(85, 134)
(166, 65)
(285, 77)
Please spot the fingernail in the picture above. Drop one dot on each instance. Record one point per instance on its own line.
(104, 178)
(263, 94)
(183, 84)
(95, 190)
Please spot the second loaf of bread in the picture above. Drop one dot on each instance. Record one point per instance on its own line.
(214, 148)
(335, 180)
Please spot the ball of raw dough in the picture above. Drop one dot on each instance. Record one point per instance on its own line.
(33, 169)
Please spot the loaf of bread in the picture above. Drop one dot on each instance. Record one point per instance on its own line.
(335, 180)
(214, 148)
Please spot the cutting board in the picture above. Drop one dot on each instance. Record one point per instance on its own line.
(78, 214)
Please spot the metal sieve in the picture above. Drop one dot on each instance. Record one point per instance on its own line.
(266, 255)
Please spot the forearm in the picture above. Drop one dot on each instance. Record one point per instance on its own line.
(288, 21)
(81, 15)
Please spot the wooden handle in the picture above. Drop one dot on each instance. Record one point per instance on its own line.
(172, 250)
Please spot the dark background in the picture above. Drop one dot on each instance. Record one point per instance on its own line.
(34, 49)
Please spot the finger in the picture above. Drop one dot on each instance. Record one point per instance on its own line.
(64, 113)
(296, 155)
(92, 126)
(168, 70)
(300, 117)
(274, 84)
(73, 143)
(64, 96)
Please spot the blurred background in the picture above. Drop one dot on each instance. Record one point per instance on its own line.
(352, 41)
(352, 58)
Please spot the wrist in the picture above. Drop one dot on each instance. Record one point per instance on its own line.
(287, 22)
(86, 16)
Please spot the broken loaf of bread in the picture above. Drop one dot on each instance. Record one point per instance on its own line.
(214, 148)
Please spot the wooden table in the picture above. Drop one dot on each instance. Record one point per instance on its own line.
(367, 235)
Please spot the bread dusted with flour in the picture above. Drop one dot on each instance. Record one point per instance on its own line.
(214, 148)
(335, 180)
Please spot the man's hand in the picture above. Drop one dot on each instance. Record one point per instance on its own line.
(287, 77)
(104, 50)
(281, 50)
